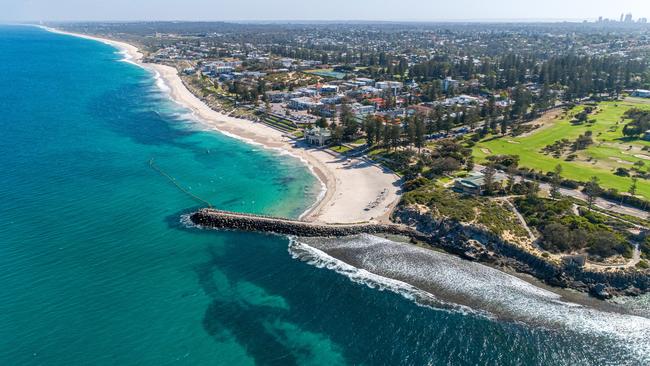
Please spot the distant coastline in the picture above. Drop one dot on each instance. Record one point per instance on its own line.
(349, 185)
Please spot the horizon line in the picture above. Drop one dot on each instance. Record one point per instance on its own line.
(298, 21)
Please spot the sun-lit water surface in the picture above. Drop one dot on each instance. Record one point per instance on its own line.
(96, 267)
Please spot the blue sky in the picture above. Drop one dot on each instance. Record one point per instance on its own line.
(423, 10)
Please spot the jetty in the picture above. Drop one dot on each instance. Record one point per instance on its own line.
(218, 219)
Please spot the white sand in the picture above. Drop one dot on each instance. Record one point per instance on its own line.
(355, 190)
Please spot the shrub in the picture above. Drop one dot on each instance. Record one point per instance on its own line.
(416, 183)
(563, 231)
(444, 165)
(606, 244)
(570, 184)
(622, 172)
(504, 161)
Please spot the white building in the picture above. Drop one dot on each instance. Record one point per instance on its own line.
(388, 85)
(393, 86)
(371, 90)
(318, 136)
(287, 62)
(329, 89)
(231, 63)
(216, 69)
(303, 103)
(332, 100)
(310, 63)
(254, 74)
(365, 81)
(308, 92)
(362, 110)
(462, 100)
(449, 83)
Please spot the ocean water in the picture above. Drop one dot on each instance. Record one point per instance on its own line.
(97, 267)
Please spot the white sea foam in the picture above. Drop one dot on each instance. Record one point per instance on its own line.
(320, 259)
(126, 56)
(161, 84)
(484, 289)
(119, 46)
(186, 221)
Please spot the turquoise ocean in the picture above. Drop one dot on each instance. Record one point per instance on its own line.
(98, 267)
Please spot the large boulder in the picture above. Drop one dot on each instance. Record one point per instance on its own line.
(600, 291)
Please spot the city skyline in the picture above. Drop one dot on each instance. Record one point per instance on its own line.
(285, 10)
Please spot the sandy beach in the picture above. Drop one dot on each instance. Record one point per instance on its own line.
(354, 190)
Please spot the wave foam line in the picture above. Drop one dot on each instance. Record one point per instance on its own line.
(319, 259)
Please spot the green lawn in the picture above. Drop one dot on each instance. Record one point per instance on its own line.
(340, 149)
(377, 152)
(609, 151)
(358, 142)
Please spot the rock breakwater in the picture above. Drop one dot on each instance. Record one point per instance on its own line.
(247, 222)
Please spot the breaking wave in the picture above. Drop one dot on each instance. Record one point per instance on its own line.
(320, 259)
(443, 281)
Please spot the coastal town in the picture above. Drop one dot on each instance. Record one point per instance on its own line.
(538, 135)
(333, 183)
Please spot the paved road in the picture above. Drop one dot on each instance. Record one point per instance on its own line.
(600, 202)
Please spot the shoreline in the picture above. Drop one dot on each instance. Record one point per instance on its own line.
(430, 278)
(336, 202)
(350, 187)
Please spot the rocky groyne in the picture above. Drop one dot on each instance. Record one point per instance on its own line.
(246, 222)
(468, 241)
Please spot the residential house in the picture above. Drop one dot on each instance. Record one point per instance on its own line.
(393, 86)
(461, 100)
(362, 110)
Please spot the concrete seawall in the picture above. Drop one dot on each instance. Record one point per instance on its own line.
(246, 222)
